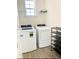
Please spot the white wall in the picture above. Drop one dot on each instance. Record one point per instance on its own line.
(39, 18)
(52, 18)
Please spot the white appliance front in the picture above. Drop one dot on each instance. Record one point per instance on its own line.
(44, 36)
(27, 40)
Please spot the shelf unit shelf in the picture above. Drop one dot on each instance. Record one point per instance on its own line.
(56, 39)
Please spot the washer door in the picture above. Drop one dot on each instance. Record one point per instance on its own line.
(27, 41)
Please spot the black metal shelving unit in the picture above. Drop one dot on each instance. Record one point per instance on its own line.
(56, 39)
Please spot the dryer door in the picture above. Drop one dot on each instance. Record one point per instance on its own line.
(44, 38)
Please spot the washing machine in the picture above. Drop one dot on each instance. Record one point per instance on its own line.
(26, 39)
(43, 36)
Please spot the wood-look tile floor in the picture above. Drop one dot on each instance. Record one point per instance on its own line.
(42, 53)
